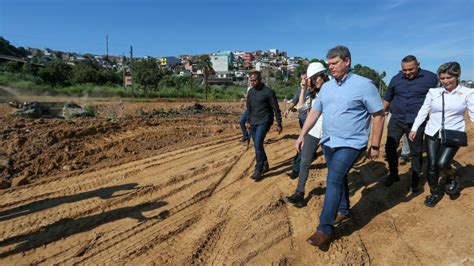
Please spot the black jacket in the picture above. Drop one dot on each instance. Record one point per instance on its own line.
(262, 105)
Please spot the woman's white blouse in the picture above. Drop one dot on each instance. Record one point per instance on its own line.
(456, 103)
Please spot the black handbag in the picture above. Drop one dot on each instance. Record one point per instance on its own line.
(451, 137)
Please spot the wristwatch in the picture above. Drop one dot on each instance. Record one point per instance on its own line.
(376, 148)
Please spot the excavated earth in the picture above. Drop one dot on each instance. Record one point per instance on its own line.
(169, 183)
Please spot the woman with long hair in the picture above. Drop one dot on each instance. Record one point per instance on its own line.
(316, 77)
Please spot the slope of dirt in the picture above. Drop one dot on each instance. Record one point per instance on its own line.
(177, 191)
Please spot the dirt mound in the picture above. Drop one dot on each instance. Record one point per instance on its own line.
(33, 149)
(195, 109)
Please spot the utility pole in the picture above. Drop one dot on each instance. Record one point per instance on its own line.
(107, 46)
(131, 64)
(123, 73)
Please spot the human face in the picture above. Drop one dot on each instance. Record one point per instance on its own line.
(449, 82)
(410, 69)
(254, 81)
(338, 67)
(318, 81)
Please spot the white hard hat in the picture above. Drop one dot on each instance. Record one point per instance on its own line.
(314, 68)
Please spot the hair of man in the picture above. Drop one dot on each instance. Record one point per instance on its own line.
(339, 51)
(409, 58)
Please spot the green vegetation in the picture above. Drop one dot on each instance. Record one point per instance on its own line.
(89, 78)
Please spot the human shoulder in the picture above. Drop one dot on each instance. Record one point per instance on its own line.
(428, 73)
(362, 82)
(397, 77)
(429, 76)
(434, 92)
(360, 78)
(465, 91)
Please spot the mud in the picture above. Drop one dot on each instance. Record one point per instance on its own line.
(160, 186)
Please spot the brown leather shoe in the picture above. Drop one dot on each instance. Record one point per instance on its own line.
(340, 218)
(318, 238)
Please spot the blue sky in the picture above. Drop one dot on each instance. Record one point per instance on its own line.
(378, 33)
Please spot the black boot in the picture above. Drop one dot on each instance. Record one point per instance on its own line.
(297, 199)
(434, 198)
(415, 182)
(452, 187)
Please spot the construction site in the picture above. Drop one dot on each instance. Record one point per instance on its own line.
(166, 182)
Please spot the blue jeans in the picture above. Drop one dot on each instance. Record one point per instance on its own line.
(339, 161)
(243, 119)
(258, 136)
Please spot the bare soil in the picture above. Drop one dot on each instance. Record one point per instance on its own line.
(172, 186)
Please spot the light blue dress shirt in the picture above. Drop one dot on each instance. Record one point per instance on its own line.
(346, 107)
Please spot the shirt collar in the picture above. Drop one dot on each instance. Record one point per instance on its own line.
(456, 90)
(343, 80)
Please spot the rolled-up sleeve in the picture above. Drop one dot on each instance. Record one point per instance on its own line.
(372, 100)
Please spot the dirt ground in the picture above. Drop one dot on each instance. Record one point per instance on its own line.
(165, 187)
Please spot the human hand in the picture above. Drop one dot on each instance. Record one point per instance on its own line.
(279, 129)
(303, 83)
(373, 153)
(412, 135)
(299, 144)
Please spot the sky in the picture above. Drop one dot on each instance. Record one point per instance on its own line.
(379, 33)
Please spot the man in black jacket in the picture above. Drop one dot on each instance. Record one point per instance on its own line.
(262, 105)
(404, 97)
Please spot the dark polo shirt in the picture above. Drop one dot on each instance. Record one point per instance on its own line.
(407, 96)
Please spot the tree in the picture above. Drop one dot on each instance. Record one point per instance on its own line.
(372, 75)
(147, 73)
(56, 73)
(205, 65)
(86, 72)
(7, 49)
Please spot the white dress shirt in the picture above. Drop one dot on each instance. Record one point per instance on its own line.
(317, 130)
(456, 103)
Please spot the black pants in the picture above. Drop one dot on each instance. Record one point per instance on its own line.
(395, 132)
(439, 156)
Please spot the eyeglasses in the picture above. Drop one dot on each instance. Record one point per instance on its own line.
(252, 80)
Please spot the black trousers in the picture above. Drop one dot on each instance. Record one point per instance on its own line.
(439, 156)
(395, 131)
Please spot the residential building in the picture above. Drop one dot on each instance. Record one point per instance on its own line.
(169, 61)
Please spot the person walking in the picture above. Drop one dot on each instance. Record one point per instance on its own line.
(295, 169)
(243, 118)
(404, 97)
(317, 76)
(262, 105)
(347, 102)
(446, 107)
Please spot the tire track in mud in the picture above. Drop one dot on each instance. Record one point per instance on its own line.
(196, 198)
(106, 178)
(217, 152)
(121, 172)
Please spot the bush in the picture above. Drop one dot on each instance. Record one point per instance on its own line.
(90, 110)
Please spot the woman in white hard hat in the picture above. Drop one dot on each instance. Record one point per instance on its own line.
(316, 77)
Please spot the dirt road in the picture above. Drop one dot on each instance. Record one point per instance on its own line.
(189, 200)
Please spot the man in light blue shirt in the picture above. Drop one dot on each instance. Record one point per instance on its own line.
(348, 102)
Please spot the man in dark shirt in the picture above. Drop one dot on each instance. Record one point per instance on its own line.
(262, 105)
(404, 97)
